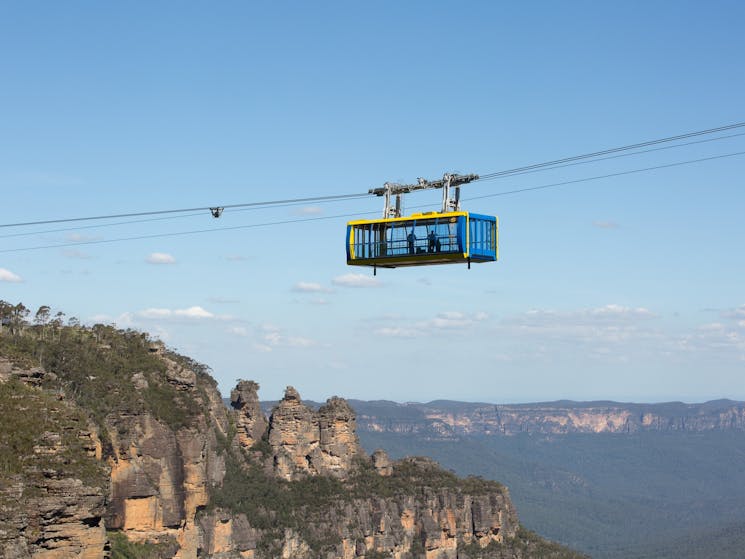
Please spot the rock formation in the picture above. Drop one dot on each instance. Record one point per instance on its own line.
(250, 421)
(151, 454)
(52, 488)
(305, 442)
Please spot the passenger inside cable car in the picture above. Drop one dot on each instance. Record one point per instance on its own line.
(434, 238)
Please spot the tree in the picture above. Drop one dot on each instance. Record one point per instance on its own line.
(42, 317)
(18, 316)
(59, 320)
(6, 311)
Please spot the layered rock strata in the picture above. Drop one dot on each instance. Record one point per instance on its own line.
(453, 419)
(250, 420)
(161, 466)
(305, 442)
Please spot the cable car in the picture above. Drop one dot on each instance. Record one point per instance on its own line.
(422, 239)
(450, 236)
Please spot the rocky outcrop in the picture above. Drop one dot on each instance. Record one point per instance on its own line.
(382, 463)
(32, 376)
(161, 476)
(224, 536)
(305, 442)
(58, 517)
(419, 520)
(52, 488)
(164, 450)
(154, 476)
(250, 421)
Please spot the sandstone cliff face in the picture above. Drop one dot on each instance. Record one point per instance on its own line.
(165, 452)
(52, 488)
(250, 421)
(63, 520)
(305, 442)
(416, 522)
(419, 511)
(160, 476)
(154, 476)
(449, 421)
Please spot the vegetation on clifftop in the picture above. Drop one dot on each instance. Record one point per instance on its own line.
(94, 366)
(105, 376)
(41, 434)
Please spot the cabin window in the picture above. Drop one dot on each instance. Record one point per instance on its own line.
(482, 235)
(403, 238)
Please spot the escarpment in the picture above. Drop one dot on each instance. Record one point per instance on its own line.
(450, 420)
(138, 449)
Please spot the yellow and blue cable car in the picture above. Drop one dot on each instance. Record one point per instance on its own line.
(423, 239)
(450, 236)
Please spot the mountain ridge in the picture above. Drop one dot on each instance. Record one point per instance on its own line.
(451, 418)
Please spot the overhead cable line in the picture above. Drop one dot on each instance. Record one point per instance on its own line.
(217, 210)
(97, 226)
(541, 169)
(148, 220)
(619, 174)
(181, 233)
(185, 210)
(321, 218)
(611, 150)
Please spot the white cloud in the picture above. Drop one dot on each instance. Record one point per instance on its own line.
(407, 328)
(309, 211)
(238, 331)
(455, 320)
(356, 280)
(398, 332)
(605, 224)
(236, 258)
(605, 315)
(190, 313)
(76, 254)
(160, 258)
(100, 319)
(719, 337)
(270, 337)
(194, 312)
(155, 313)
(80, 238)
(310, 287)
(223, 300)
(7, 275)
(592, 330)
(621, 312)
(737, 313)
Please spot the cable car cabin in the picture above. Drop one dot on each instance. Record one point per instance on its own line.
(422, 239)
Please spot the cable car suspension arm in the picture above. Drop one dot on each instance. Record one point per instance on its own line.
(448, 181)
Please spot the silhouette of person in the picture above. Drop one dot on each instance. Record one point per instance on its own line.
(434, 242)
(411, 237)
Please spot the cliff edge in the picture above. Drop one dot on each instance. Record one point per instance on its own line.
(115, 443)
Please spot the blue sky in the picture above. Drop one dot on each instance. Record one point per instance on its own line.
(625, 288)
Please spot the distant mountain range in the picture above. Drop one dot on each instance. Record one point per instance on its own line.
(614, 480)
(446, 419)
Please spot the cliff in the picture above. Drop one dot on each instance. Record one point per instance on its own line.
(137, 449)
(448, 420)
(53, 487)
